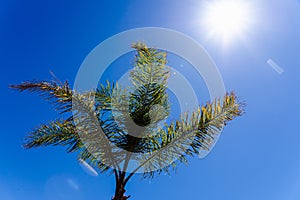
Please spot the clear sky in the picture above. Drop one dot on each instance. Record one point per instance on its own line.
(256, 157)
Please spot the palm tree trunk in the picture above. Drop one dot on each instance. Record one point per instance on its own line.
(120, 194)
(120, 189)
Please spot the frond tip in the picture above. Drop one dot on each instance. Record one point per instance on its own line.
(60, 94)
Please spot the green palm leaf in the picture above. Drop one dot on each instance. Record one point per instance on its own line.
(188, 136)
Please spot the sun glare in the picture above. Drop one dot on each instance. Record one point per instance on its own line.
(227, 19)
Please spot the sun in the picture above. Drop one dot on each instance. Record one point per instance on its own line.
(227, 19)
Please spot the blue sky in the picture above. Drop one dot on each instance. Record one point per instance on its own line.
(257, 156)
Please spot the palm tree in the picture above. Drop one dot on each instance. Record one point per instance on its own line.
(111, 128)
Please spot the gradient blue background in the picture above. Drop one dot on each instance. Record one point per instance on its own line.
(257, 157)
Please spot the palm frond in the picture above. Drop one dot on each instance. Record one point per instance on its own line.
(87, 112)
(97, 128)
(186, 137)
(59, 132)
(149, 78)
(57, 93)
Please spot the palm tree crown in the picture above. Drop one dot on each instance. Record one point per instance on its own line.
(114, 129)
